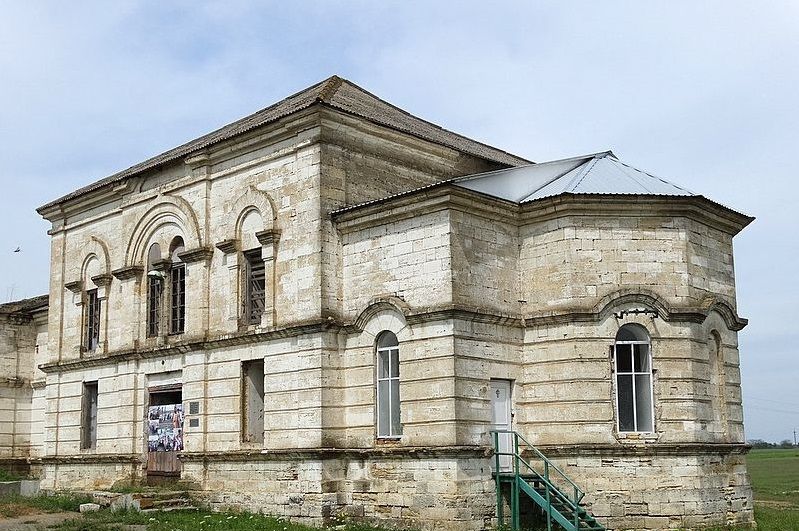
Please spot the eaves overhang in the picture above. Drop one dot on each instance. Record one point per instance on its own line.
(447, 194)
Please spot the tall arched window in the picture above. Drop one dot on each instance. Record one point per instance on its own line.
(155, 287)
(633, 366)
(388, 394)
(177, 287)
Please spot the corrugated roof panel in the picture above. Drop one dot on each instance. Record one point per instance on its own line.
(601, 173)
(515, 184)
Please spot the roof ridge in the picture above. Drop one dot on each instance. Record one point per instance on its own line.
(331, 85)
(415, 117)
(654, 177)
(583, 173)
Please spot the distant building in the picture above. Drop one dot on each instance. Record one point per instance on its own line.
(325, 308)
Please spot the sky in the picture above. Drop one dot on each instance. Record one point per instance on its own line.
(701, 93)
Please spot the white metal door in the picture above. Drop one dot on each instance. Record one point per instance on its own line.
(501, 420)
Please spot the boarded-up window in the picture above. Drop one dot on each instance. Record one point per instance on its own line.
(88, 432)
(253, 401)
(92, 332)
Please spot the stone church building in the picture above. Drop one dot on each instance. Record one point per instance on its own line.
(324, 309)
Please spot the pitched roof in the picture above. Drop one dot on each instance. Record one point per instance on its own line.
(598, 173)
(335, 92)
(25, 306)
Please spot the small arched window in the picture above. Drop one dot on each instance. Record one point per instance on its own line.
(177, 287)
(155, 288)
(633, 365)
(388, 392)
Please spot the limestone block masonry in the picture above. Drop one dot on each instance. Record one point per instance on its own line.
(326, 243)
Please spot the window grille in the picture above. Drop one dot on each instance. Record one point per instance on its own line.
(92, 334)
(255, 287)
(178, 292)
(154, 290)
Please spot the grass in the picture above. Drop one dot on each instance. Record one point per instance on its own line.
(14, 505)
(5, 475)
(190, 521)
(775, 482)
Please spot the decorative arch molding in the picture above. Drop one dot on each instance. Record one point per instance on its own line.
(726, 311)
(170, 210)
(251, 200)
(380, 305)
(651, 302)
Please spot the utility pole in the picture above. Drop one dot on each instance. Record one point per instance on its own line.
(794, 437)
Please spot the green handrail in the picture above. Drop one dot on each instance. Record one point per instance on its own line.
(570, 496)
(548, 465)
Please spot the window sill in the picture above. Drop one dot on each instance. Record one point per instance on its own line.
(632, 437)
(393, 440)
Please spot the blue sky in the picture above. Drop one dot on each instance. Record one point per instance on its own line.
(700, 93)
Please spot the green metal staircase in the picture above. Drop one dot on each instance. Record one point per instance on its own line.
(557, 495)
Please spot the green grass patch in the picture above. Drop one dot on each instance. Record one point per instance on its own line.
(14, 505)
(5, 475)
(106, 520)
(775, 475)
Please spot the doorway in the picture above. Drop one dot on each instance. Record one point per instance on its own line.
(164, 432)
(502, 419)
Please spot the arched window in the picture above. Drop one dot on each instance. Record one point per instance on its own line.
(633, 366)
(155, 288)
(388, 394)
(177, 287)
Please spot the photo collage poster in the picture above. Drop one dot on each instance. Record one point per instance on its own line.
(165, 425)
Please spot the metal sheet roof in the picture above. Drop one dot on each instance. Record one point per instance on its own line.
(599, 173)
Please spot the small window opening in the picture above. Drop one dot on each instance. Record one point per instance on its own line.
(88, 439)
(633, 365)
(255, 287)
(92, 333)
(388, 392)
(253, 401)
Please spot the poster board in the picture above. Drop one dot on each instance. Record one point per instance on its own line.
(165, 428)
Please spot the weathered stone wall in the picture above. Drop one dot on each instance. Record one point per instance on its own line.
(575, 261)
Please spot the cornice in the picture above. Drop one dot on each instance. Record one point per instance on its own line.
(229, 246)
(200, 254)
(268, 237)
(447, 195)
(102, 280)
(387, 452)
(698, 208)
(88, 458)
(76, 286)
(435, 198)
(128, 272)
(623, 450)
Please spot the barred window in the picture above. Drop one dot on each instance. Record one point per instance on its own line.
(92, 332)
(177, 288)
(255, 286)
(155, 289)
